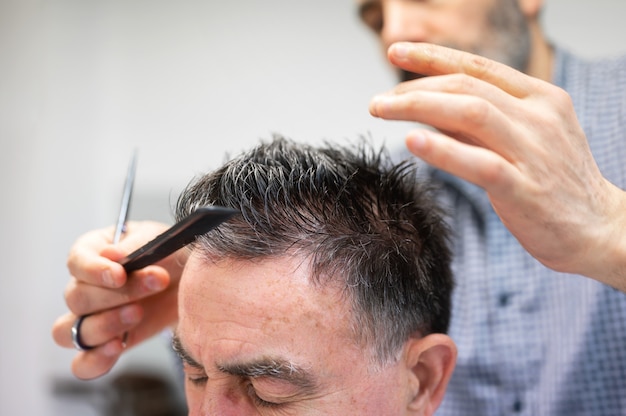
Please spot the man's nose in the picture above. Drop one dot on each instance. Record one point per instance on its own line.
(403, 21)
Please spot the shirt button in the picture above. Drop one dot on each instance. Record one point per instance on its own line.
(504, 299)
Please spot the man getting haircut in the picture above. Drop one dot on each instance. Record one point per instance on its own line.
(329, 293)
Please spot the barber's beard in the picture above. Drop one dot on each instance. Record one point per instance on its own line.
(509, 42)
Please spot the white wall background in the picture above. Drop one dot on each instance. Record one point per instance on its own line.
(83, 82)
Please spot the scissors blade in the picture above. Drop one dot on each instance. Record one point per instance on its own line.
(126, 198)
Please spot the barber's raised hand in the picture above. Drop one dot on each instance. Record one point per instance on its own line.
(121, 311)
(518, 138)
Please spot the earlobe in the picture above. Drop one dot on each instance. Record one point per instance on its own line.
(430, 362)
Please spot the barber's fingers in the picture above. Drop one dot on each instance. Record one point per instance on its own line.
(94, 260)
(138, 321)
(468, 118)
(475, 164)
(429, 59)
(104, 332)
(459, 84)
(99, 328)
(113, 331)
(91, 364)
(83, 298)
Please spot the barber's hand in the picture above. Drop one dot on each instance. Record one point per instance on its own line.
(140, 305)
(518, 138)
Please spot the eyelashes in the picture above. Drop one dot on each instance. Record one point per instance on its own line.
(201, 380)
(258, 401)
(198, 381)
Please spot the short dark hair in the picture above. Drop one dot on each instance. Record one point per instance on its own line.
(363, 222)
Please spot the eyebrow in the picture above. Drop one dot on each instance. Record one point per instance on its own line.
(182, 353)
(273, 368)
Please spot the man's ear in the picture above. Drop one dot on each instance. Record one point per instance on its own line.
(430, 362)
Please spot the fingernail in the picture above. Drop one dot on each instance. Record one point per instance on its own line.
(373, 108)
(416, 141)
(378, 104)
(400, 50)
(153, 284)
(107, 279)
(111, 349)
(129, 315)
(377, 99)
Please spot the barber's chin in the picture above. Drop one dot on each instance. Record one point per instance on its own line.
(409, 76)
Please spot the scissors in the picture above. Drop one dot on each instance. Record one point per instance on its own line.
(184, 232)
(120, 226)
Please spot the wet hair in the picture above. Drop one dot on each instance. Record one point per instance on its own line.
(364, 223)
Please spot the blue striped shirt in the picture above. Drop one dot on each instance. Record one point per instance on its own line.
(533, 341)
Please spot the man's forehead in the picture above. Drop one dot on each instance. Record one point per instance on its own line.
(276, 293)
(254, 275)
(239, 306)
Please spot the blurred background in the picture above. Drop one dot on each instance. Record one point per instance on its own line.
(84, 82)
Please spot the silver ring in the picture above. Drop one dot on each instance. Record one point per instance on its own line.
(78, 344)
